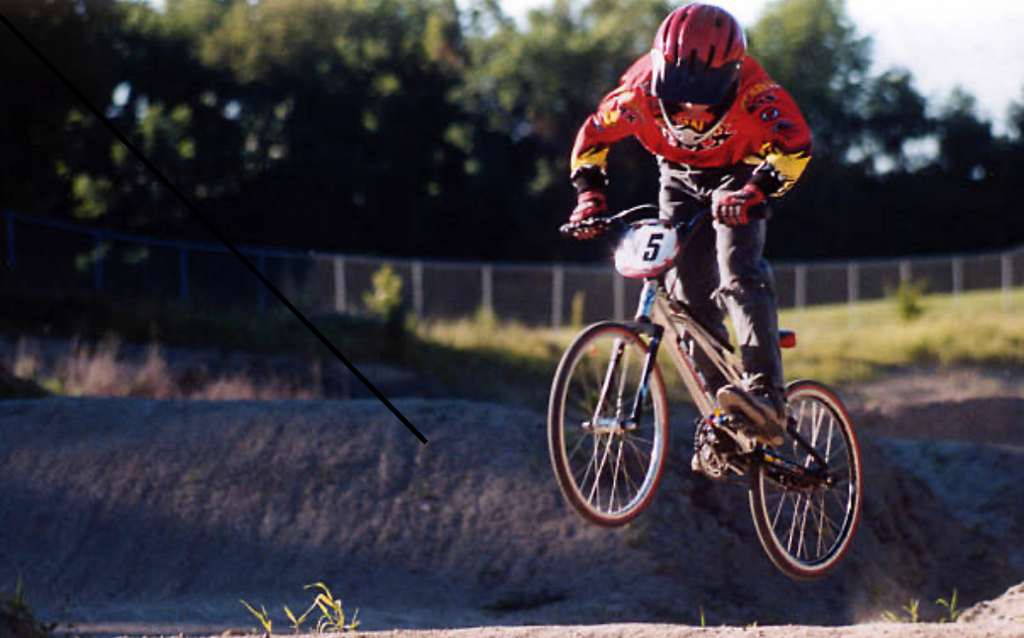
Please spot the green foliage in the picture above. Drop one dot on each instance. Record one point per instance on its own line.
(812, 49)
(332, 617)
(953, 612)
(384, 299)
(262, 616)
(328, 124)
(911, 611)
(332, 614)
(908, 299)
(18, 619)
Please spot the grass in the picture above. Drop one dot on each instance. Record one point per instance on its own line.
(912, 612)
(482, 358)
(18, 619)
(331, 619)
(840, 344)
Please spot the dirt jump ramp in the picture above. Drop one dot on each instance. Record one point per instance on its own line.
(124, 509)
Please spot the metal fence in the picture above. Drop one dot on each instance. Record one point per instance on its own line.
(47, 255)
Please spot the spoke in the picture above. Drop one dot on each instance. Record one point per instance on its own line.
(803, 528)
(636, 439)
(827, 528)
(792, 524)
(778, 512)
(587, 467)
(643, 460)
(579, 441)
(828, 445)
(615, 477)
(840, 502)
(635, 489)
(618, 351)
(597, 474)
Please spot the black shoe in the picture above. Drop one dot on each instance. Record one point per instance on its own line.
(766, 416)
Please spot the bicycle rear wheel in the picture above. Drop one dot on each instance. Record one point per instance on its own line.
(607, 468)
(806, 525)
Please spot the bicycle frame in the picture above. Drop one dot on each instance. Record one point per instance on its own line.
(655, 317)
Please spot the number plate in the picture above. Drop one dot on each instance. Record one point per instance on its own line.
(647, 249)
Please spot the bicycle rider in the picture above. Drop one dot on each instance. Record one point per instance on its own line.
(727, 136)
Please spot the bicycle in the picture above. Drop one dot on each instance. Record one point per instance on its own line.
(608, 418)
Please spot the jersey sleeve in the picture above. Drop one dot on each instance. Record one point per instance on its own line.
(786, 142)
(616, 118)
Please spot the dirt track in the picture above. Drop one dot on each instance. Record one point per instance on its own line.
(156, 517)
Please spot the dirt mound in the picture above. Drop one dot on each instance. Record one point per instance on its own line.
(169, 512)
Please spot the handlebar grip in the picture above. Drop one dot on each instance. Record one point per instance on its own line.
(577, 230)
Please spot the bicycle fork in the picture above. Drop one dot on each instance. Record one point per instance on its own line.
(654, 332)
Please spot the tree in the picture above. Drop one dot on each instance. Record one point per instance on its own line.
(78, 37)
(812, 49)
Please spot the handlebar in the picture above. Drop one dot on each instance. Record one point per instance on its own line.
(614, 222)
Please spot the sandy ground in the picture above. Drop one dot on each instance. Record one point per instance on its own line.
(140, 517)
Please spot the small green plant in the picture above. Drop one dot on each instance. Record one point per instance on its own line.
(384, 299)
(908, 299)
(16, 614)
(332, 614)
(296, 621)
(953, 612)
(262, 616)
(911, 611)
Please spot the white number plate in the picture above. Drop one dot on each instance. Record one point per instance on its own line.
(647, 249)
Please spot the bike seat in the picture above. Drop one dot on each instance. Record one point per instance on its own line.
(787, 339)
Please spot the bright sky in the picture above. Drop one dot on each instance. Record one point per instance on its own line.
(976, 44)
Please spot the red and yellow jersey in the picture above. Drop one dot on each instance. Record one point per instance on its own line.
(763, 127)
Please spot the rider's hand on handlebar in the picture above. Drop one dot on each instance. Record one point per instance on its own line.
(732, 208)
(588, 204)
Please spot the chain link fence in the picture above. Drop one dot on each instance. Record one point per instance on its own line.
(56, 257)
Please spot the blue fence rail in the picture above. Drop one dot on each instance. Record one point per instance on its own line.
(54, 256)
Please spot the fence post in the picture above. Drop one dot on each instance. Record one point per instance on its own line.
(183, 273)
(905, 273)
(1006, 277)
(486, 287)
(958, 277)
(852, 283)
(557, 288)
(340, 301)
(417, 289)
(801, 286)
(852, 288)
(10, 240)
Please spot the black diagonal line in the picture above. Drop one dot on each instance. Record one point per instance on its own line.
(206, 222)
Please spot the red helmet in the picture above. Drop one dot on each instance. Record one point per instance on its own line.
(697, 55)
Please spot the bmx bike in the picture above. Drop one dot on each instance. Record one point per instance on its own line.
(608, 421)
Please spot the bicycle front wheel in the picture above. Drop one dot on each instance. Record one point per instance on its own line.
(607, 466)
(806, 519)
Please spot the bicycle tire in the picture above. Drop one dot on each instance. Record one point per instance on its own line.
(605, 491)
(781, 513)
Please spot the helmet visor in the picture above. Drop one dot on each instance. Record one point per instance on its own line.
(695, 84)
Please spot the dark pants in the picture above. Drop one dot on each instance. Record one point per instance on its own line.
(722, 269)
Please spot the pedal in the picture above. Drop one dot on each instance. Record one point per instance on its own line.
(726, 423)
